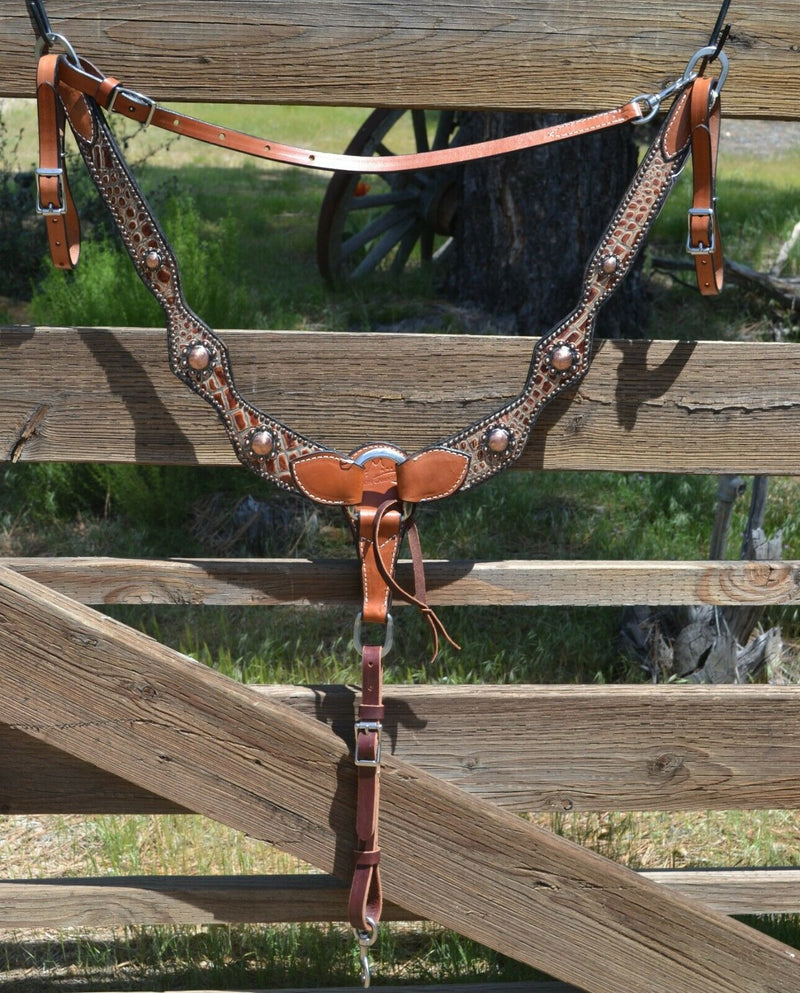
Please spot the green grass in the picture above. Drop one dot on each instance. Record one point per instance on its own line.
(246, 236)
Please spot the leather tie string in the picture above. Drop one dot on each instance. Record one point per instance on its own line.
(419, 598)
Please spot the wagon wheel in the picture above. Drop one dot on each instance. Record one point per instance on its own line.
(372, 222)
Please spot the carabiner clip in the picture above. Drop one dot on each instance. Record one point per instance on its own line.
(708, 53)
(366, 939)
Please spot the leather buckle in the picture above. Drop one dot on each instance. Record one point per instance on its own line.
(128, 94)
(702, 248)
(369, 727)
(388, 638)
(51, 210)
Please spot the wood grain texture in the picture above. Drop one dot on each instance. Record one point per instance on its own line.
(536, 54)
(575, 748)
(644, 406)
(176, 900)
(109, 695)
(303, 582)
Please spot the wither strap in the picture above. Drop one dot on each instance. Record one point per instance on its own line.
(110, 94)
(61, 81)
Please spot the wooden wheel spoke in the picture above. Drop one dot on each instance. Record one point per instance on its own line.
(382, 199)
(404, 250)
(443, 129)
(426, 245)
(418, 119)
(376, 227)
(381, 249)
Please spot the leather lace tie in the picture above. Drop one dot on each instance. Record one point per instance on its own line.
(419, 597)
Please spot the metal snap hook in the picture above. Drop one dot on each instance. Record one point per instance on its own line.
(366, 939)
(708, 52)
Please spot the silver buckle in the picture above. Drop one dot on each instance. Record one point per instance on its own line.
(702, 249)
(388, 638)
(120, 90)
(50, 210)
(369, 726)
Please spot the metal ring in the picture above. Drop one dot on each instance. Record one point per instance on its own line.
(367, 938)
(387, 641)
(72, 55)
(380, 453)
(707, 52)
(652, 101)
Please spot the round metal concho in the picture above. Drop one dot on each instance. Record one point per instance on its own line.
(198, 359)
(152, 260)
(498, 440)
(562, 358)
(261, 443)
(609, 264)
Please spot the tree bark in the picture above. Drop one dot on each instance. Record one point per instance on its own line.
(529, 222)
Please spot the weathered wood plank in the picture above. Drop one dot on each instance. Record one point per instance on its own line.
(645, 406)
(537, 54)
(122, 901)
(575, 748)
(301, 582)
(109, 695)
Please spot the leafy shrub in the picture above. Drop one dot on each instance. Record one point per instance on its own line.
(105, 290)
(20, 237)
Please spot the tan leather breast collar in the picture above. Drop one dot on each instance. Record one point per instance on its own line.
(377, 486)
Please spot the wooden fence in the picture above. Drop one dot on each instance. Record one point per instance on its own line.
(99, 718)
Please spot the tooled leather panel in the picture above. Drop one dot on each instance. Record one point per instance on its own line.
(158, 269)
(621, 243)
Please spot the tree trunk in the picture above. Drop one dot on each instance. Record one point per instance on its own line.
(529, 222)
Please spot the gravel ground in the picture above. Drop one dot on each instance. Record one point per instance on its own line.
(760, 139)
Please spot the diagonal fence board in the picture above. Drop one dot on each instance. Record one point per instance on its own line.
(535, 54)
(303, 899)
(644, 406)
(108, 694)
(581, 748)
(303, 582)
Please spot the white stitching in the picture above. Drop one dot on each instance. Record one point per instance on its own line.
(459, 481)
(305, 490)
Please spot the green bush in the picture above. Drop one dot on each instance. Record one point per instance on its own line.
(104, 290)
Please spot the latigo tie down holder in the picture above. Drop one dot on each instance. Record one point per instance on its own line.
(378, 486)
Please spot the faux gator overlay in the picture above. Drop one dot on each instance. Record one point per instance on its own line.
(246, 424)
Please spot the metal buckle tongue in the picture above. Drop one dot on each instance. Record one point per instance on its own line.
(702, 247)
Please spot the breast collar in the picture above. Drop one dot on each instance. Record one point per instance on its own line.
(378, 486)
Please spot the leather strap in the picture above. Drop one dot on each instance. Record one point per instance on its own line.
(704, 243)
(419, 597)
(366, 894)
(111, 95)
(54, 200)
